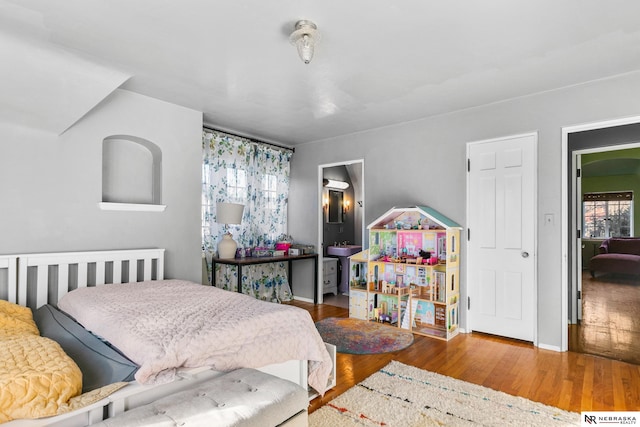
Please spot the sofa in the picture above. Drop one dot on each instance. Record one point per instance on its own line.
(617, 255)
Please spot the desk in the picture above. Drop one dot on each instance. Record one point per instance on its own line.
(240, 262)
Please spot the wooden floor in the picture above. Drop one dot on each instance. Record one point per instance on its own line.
(610, 325)
(571, 381)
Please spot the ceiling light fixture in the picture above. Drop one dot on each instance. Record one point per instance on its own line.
(332, 183)
(304, 37)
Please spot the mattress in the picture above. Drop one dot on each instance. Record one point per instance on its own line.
(168, 324)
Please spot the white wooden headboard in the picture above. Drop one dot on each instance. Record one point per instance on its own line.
(9, 277)
(44, 278)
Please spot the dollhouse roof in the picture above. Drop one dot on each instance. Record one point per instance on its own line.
(424, 211)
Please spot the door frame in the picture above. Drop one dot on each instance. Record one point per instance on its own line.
(468, 327)
(320, 250)
(570, 262)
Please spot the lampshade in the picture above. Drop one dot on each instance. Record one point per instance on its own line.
(304, 37)
(229, 213)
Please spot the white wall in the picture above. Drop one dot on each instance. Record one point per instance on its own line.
(50, 185)
(423, 162)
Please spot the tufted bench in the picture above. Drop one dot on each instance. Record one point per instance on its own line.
(243, 398)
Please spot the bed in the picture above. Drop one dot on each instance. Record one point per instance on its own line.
(41, 281)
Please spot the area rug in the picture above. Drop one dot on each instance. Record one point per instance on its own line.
(402, 395)
(355, 336)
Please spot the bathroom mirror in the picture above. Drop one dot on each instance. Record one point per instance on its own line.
(334, 210)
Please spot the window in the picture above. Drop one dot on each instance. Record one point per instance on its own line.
(270, 191)
(236, 185)
(236, 192)
(255, 174)
(607, 215)
(239, 170)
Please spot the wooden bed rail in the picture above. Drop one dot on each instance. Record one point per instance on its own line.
(44, 278)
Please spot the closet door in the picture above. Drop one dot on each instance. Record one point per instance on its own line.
(501, 274)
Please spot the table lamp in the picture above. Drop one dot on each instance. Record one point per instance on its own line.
(228, 213)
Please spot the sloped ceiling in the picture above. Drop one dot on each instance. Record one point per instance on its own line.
(378, 63)
(45, 86)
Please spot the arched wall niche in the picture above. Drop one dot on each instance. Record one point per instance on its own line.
(131, 173)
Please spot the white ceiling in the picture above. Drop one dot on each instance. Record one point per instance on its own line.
(378, 63)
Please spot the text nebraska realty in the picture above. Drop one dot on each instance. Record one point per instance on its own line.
(610, 419)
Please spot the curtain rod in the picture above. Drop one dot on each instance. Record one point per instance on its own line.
(282, 147)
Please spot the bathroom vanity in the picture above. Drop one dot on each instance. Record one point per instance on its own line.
(343, 252)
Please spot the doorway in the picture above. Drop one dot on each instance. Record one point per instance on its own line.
(596, 318)
(340, 222)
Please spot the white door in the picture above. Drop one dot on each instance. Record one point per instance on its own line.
(501, 241)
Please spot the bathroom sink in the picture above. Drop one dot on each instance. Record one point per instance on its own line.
(343, 250)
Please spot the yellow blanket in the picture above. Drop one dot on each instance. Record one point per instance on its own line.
(37, 378)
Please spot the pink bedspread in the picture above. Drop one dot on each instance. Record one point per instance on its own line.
(164, 325)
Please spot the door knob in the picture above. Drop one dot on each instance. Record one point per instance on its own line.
(525, 254)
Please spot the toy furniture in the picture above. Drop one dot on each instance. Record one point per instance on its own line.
(409, 275)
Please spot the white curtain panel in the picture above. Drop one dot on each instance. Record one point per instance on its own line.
(239, 170)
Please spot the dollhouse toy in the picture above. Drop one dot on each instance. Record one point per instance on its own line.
(411, 271)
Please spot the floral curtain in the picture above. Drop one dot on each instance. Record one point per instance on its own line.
(240, 170)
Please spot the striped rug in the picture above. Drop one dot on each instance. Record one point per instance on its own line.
(402, 395)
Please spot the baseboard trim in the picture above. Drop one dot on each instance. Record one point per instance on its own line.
(550, 347)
